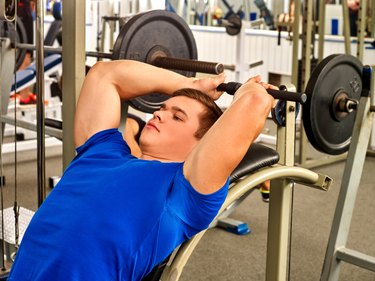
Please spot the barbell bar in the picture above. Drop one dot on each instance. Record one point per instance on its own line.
(157, 56)
(159, 60)
(232, 87)
(58, 50)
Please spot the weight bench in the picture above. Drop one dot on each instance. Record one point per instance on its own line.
(27, 76)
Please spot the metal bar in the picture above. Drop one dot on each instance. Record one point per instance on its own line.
(361, 29)
(323, 161)
(53, 132)
(280, 205)
(322, 23)
(58, 50)
(345, 13)
(306, 67)
(40, 102)
(296, 23)
(232, 87)
(356, 258)
(73, 68)
(255, 63)
(7, 63)
(188, 65)
(181, 255)
(348, 191)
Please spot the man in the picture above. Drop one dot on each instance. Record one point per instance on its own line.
(114, 216)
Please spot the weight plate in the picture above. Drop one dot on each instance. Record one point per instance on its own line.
(327, 129)
(155, 32)
(234, 25)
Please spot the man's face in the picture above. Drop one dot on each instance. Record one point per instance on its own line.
(169, 135)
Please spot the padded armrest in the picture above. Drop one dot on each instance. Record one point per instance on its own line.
(22, 77)
(258, 156)
(50, 61)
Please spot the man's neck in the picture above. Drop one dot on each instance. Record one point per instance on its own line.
(146, 156)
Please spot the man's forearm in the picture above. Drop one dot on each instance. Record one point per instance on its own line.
(133, 78)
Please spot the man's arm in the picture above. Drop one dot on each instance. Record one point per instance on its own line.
(107, 83)
(222, 148)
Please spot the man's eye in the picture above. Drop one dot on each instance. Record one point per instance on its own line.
(176, 117)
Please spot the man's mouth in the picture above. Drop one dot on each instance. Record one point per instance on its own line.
(152, 125)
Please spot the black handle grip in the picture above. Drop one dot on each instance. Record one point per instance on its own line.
(232, 87)
(188, 65)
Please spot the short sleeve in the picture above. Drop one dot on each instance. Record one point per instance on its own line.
(196, 210)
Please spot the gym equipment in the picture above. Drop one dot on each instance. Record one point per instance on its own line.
(7, 30)
(337, 251)
(139, 39)
(340, 92)
(7, 10)
(232, 21)
(265, 13)
(279, 111)
(282, 94)
(152, 102)
(322, 183)
(287, 173)
(279, 215)
(232, 24)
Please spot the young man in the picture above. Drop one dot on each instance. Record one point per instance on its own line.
(114, 216)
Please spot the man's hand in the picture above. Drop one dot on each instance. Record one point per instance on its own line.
(255, 84)
(208, 85)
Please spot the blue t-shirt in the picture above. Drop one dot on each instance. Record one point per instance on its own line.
(112, 216)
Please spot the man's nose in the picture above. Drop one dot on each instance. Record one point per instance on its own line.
(158, 115)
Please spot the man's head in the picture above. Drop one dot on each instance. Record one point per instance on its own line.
(179, 124)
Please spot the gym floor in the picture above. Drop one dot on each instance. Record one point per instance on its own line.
(225, 256)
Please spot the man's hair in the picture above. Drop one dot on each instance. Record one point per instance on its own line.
(211, 113)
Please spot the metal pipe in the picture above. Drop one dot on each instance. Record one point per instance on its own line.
(298, 174)
(345, 15)
(50, 131)
(41, 171)
(188, 65)
(58, 50)
(322, 23)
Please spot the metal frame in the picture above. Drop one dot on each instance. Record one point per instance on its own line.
(40, 130)
(336, 249)
(301, 175)
(73, 53)
(8, 60)
(283, 178)
(303, 159)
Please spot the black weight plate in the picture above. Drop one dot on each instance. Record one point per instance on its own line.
(333, 75)
(234, 26)
(155, 31)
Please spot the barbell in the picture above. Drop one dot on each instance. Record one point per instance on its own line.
(164, 39)
(328, 104)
